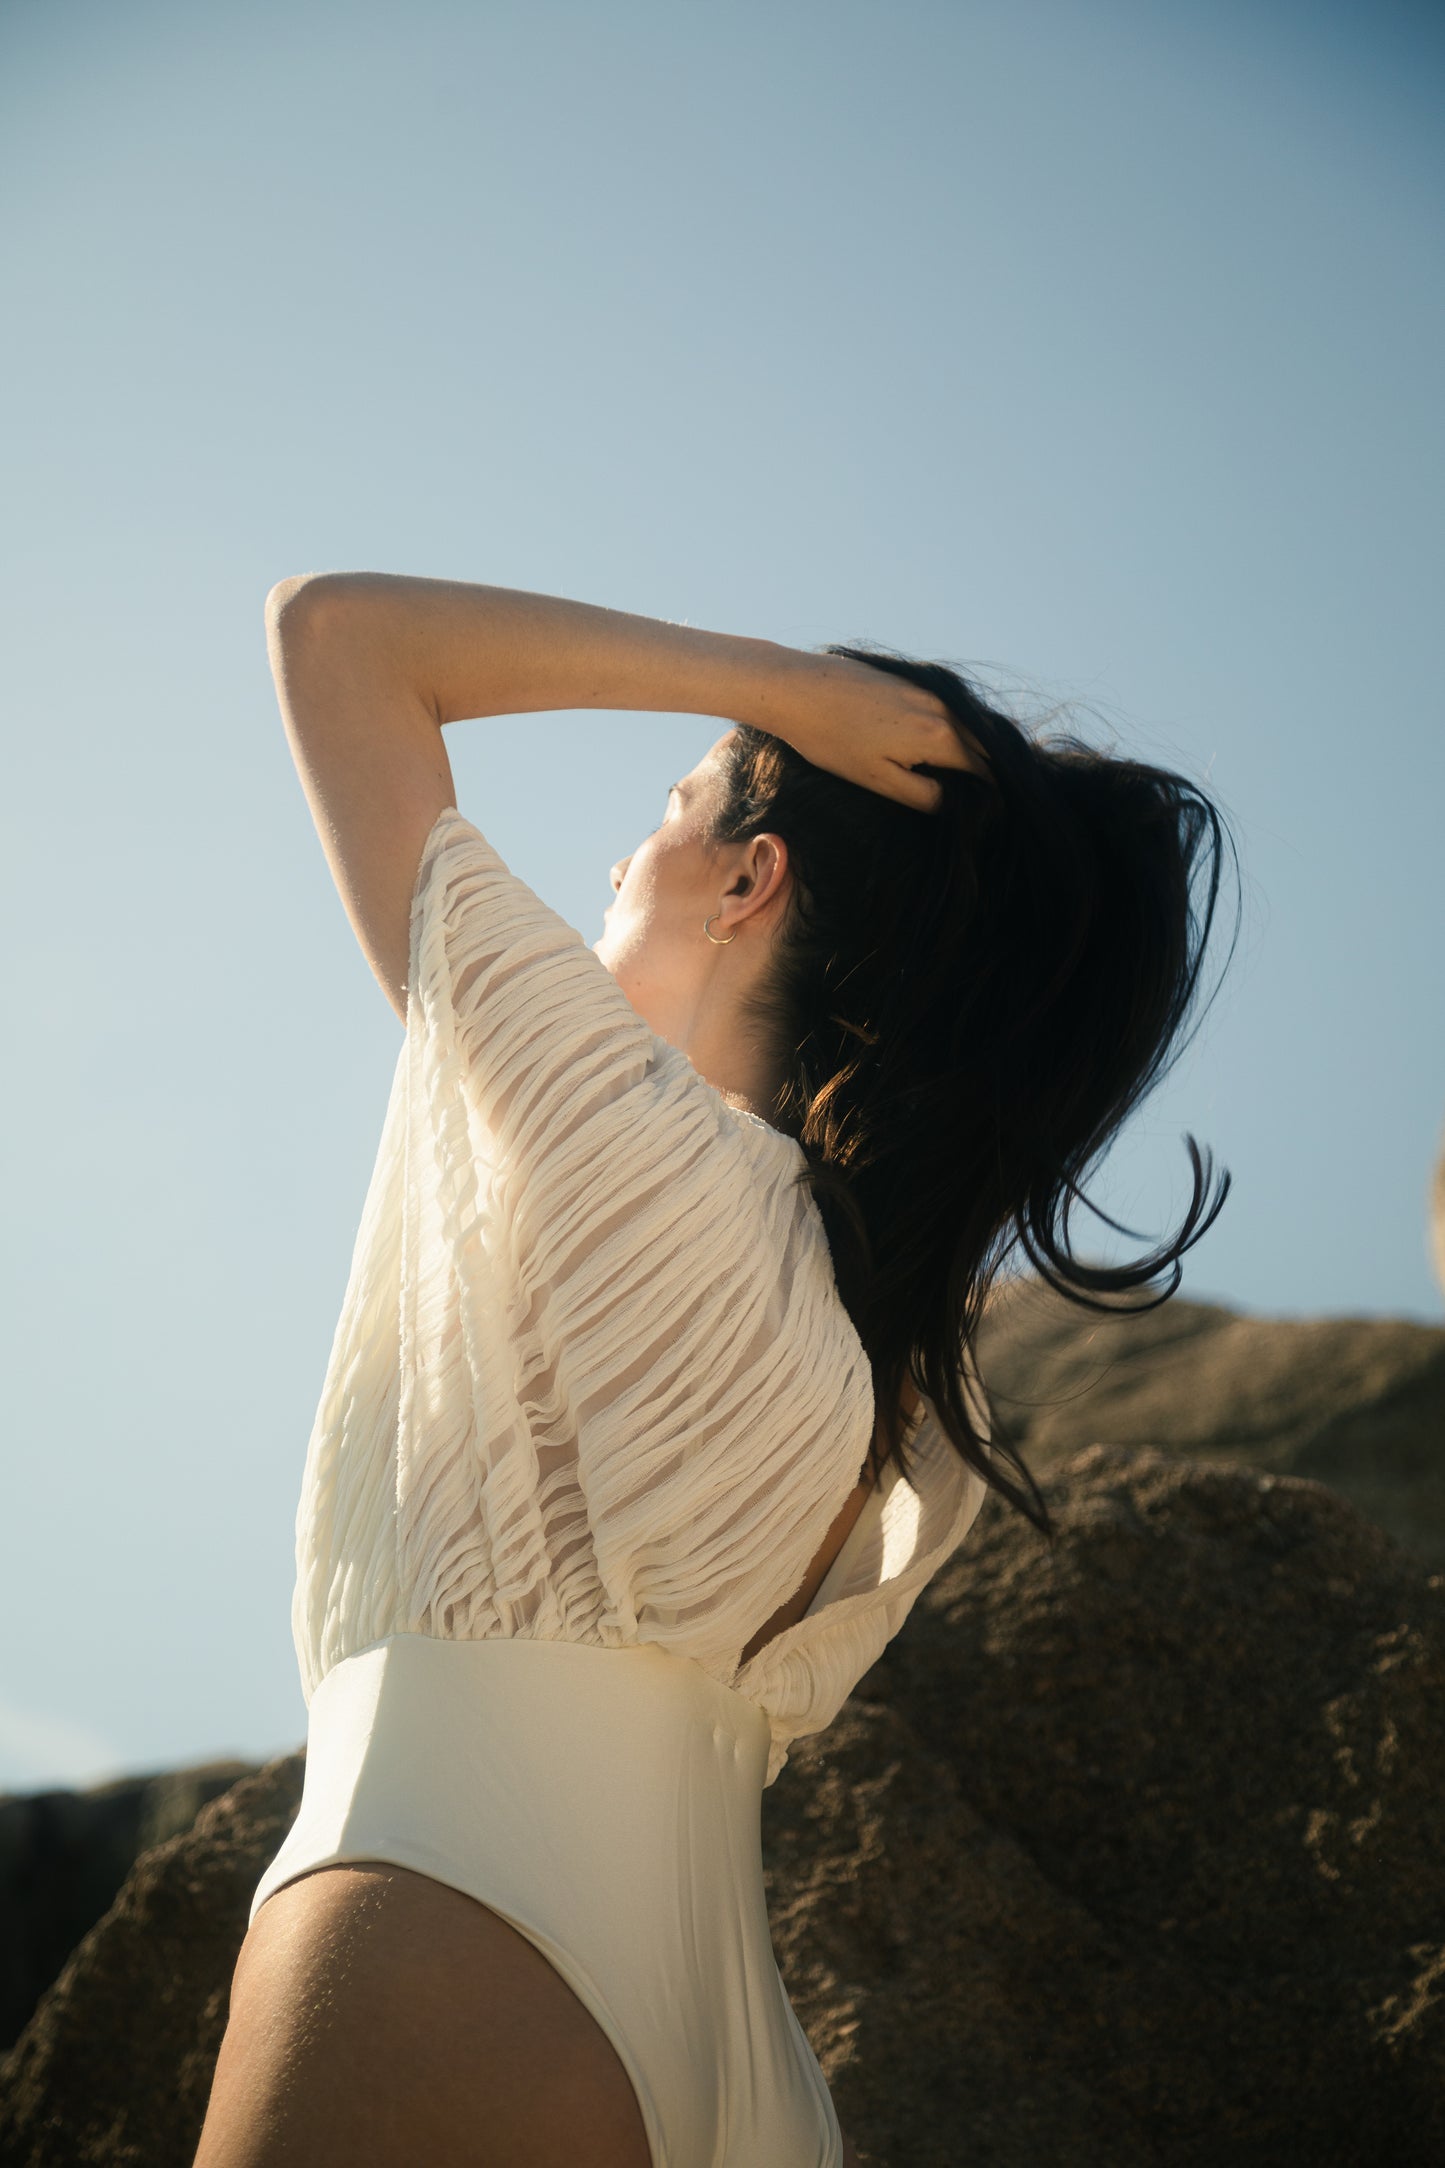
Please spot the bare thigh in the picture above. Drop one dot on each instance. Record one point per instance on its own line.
(379, 2018)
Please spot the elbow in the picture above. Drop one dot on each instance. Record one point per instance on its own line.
(282, 596)
(283, 600)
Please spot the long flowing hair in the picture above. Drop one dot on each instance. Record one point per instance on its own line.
(967, 1005)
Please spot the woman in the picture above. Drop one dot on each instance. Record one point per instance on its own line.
(652, 1406)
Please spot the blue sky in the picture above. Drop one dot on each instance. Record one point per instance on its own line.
(1094, 347)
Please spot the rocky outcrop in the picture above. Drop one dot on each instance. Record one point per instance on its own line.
(1355, 1402)
(1132, 1853)
(1126, 1853)
(64, 1855)
(115, 2066)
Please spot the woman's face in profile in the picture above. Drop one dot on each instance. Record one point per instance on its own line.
(652, 938)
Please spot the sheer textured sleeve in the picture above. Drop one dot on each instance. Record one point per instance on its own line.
(616, 1360)
(521, 1024)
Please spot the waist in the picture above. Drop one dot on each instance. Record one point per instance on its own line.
(473, 1759)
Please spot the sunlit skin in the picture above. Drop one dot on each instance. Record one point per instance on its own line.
(689, 988)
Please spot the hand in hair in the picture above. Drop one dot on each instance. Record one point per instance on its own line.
(867, 726)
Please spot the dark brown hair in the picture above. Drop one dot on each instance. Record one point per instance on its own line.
(967, 1005)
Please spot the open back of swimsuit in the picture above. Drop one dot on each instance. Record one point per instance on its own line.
(592, 1405)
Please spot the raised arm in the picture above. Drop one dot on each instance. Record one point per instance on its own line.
(371, 666)
(471, 650)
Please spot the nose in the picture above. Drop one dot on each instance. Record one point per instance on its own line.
(618, 874)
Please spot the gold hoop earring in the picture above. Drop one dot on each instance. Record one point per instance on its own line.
(716, 938)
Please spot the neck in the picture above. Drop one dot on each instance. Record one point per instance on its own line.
(744, 1077)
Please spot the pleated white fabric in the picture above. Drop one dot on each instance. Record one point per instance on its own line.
(592, 1379)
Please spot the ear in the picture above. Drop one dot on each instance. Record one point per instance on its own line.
(765, 871)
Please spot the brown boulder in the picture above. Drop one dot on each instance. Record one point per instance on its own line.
(1148, 1836)
(115, 2066)
(1355, 1402)
(63, 1857)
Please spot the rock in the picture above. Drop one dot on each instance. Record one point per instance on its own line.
(115, 2066)
(63, 1856)
(1354, 1402)
(1148, 1840)
(1124, 1855)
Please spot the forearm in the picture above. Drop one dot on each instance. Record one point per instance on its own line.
(470, 650)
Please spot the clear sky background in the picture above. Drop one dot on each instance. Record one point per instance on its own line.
(1096, 345)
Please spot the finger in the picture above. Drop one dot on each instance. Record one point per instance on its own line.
(950, 744)
(919, 791)
(968, 757)
(962, 751)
